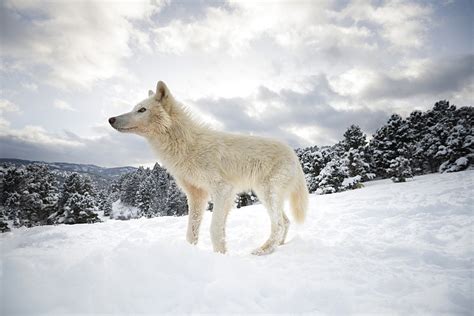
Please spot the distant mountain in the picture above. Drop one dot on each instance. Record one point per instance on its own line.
(93, 170)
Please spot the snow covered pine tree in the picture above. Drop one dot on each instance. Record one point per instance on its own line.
(77, 204)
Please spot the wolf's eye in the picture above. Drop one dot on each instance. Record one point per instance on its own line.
(141, 110)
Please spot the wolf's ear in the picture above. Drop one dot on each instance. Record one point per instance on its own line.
(162, 91)
(150, 93)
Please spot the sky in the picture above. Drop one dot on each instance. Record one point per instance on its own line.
(299, 71)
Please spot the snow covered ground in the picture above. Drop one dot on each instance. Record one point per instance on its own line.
(404, 248)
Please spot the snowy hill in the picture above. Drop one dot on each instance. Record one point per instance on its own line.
(101, 176)
(75, 167)
(388, 248)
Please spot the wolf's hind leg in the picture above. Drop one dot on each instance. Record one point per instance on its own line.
(273, 202)
(286, 222)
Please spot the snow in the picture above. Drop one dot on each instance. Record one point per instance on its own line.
(459, 164)
(123, 212)
(351, 181)
(463, 161)
(388, 248)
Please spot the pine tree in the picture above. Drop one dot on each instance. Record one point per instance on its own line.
(331, 177)
(459, 147)
(130, 184)
(400, 169)
(355, 164)
(13, 183)
(439, 122)
(80, 209)
(4, 226)
(245, 199)
(104, 204)
(417, 127)
(160, 202)
(354, 138)
(313, 159)
(355, 156)
(113, 194)
(29, 194)
(147, 192)
(176, 204)
(42, 197)
(77, 203)
(389, 142)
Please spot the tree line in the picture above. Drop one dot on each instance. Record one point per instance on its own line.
(438, 140)
(33, 195)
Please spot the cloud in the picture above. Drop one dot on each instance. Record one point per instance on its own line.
(235, 27)
(299, 118)
(30, 86)
(278, 45)
(432, 77)
(324, 26)
(403, 24)
(72, 44)
(8, 106)
(63, 105)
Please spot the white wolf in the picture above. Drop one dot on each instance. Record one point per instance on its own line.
(211, 164)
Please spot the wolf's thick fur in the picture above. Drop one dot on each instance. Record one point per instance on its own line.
(211, 164)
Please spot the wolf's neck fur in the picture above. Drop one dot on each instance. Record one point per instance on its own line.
(173, 144)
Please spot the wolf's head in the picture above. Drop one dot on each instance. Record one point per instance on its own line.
(150, 116)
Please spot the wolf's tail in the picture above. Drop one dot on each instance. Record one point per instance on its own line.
(299, 197)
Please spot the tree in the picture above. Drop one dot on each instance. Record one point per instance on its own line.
(459, 147)
(4, 226)
(13, 183)
(416, 122)
(354, 155)
(147, 192)
(313, 159)
(29, 194)
(113, 194)
(389, 142)
(438, 125)
(331, 177)
(77, 203)
(79, 209)
(177, 204)
(160, 202)
(104, 204)
(400, 169)
(356, 165)
(245, 199)
(354, 138)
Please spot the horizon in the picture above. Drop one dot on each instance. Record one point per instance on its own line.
(298, 72)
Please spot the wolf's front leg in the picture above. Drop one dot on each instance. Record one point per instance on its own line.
(194, 222)
(222, 205)
(197, 201)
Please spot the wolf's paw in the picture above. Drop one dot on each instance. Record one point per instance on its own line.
(192, 240)
(261, 251)
(220, 248)
(222, 251)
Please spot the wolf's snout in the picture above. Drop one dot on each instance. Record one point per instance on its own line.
(112, 120)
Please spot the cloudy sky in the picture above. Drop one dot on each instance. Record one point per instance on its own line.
(300, 71)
